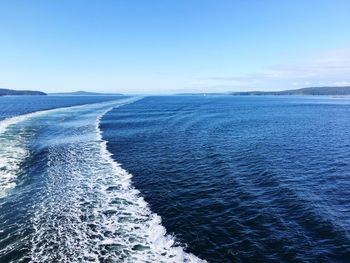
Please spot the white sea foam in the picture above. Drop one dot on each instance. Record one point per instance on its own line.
(12, 143)
(86, 209)
(13, 150)
(163, 245)
(12, 153)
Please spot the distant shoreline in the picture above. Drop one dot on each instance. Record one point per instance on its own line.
(9, 92)
(84, 93)
(311, 91)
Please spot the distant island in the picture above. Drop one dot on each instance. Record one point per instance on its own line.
(5, 92)
(200, 94)
(315, 91)
(339, 91)
(84, 93)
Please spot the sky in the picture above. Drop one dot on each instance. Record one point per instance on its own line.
(173, 46)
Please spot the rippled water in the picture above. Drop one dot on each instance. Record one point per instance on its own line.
(242, 179)
(66, 200)
(222, 179)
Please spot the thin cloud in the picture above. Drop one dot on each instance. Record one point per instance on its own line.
(331, 68)
(335, 64)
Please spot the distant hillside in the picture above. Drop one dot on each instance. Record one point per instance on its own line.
(4, 92)
(84, 93)
(303, 91)
(199, 94)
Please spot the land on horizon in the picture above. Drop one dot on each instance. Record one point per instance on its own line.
(314, 91)
(85, 93)
(4, 92)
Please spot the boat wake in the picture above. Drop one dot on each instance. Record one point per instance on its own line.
(86, 208)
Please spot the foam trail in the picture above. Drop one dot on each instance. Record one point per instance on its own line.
(13, 150)
(8, 122)
(161, 243)
(11, 154)
(85, 209)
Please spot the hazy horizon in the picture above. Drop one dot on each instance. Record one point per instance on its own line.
(163, 47)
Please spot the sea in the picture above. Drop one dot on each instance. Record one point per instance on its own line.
(174, 179)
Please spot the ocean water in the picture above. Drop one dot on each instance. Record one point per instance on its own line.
(174, 179)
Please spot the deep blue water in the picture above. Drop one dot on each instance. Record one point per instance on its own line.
(62, 197)
(242, 179)
(217, 178)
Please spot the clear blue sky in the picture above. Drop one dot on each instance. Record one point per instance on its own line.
(165, 46)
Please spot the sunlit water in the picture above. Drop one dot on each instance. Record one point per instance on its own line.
(216, 178)
(242, 179)
(64, 199)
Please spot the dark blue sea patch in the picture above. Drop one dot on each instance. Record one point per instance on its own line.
(242, 179)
